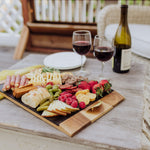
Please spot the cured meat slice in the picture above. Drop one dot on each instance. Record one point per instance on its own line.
(65, 86)
(23, 81)
(17, 82)
(13, 79)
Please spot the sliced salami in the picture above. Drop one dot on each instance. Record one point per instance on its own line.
(65, 86)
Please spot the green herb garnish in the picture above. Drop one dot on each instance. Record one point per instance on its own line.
(48, 69)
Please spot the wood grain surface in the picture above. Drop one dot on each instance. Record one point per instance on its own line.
(119, 129)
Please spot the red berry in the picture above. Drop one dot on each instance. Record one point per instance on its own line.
(74, 104)
(69, 101)
(51, 83)
(59, 98)
(82, 105)
(95, 87)
(92, 83)
(63, 93)
(74, 97)
(84, 85)
(68, 95)
(62, 99)
(63, 96)
(103, 82)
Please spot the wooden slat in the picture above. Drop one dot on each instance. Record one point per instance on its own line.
(90, 12)
(98, 8)
(25, 10)
(69, 11)
(31, 11)
(76, 11)
(51, 41)
(63, 14)
(61, 29)
(97, 113)
(83, 11)
(50, 10)
(74, 124)
(50, 50)
(56, 17)
(37, 9)
(113, 99)
(43, 9)
(22, 43)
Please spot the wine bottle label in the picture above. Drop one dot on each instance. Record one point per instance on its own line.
(112, 62)
(125, 59)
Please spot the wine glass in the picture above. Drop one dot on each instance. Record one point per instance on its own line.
(81, 41)
(103, 51)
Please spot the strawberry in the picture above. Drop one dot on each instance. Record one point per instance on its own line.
(100, 91)
(106, 85)
(82, 105)
(92, 83)
(84, 85)
(74, 104)
(103, 82)
(95, 87)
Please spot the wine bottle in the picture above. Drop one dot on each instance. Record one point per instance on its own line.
(121, 61)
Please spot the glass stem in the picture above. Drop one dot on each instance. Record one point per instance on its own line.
(82, 62)
(102, 63)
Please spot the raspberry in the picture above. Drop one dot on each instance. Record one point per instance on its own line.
(62, 99)
(74, 97)
(64, 93)
(63, 96)
(74, 104)
(82, 105)
(68, 95)
(69, 101)
(59, 98)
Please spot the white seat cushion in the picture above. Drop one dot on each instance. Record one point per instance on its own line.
(140, 35)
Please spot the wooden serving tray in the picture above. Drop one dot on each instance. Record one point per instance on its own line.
(72, 123)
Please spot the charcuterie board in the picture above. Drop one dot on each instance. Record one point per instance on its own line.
(74, 122)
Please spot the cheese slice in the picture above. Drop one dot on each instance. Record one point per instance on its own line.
(48, 114)
(61, 108)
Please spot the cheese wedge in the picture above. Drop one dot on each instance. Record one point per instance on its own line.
(48, 114)
(61, 108)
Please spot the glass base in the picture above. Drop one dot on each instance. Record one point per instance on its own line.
(103, 78)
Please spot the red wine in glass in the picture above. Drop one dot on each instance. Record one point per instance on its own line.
(103, 53)
(81, 42)
(81, 47)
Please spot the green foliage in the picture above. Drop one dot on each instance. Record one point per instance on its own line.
(47, 69)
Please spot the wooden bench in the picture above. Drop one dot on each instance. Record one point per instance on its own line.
(49, 24)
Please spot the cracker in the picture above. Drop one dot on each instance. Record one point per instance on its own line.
(91, 96)
(82, 92)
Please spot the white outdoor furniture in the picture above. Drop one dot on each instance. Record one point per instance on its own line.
(139, 24)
